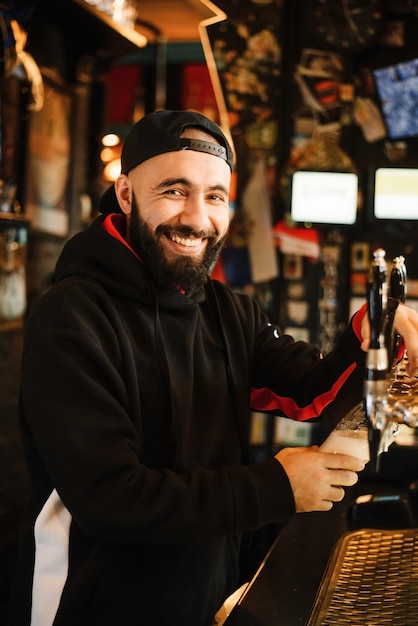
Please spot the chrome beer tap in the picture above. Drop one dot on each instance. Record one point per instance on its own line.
(397, 290)
(393, 341)
(388, 396)
(375, 382)
(402, 403)
(389, 393)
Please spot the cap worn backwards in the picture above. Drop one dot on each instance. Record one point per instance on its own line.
(161, 132)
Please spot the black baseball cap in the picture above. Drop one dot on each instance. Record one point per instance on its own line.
(160, 132)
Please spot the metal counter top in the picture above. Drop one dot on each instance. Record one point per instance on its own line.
(285, 589)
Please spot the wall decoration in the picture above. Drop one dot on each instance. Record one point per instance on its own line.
(297, 312)
(296, 290)
(257, 206)
(367, 116)
(125, 89)
(318, 76)
(358, 283)
(360, 256)
(397, 88)
(198, 93)
(330, 306)
(292, 266)
(48, 164)
(345, 26)
(248, 54)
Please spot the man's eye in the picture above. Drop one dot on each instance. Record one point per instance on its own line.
(217, 198)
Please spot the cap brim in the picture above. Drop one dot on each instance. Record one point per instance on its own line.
(108, 203)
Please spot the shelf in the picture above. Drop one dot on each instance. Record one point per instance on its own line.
(130, 34)
(12, 219)
(83, 32)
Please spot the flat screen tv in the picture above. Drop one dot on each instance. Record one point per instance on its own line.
(397, 88)
(395, 194)
(324, 198)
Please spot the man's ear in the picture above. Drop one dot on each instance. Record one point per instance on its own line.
(123, 190)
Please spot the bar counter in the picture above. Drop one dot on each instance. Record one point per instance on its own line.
(284, 590)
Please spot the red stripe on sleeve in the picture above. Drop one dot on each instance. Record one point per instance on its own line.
(266, 400)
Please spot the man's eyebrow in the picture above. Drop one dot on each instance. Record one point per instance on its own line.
(219, 187)
(169, 182)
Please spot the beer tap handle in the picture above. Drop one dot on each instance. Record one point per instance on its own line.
(397, 279)
(397, 289)
(375, 386)
(377, 297)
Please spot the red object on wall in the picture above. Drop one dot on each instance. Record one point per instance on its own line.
(123, 83)
(197, 89)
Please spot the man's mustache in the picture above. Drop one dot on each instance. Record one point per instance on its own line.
(186, 231)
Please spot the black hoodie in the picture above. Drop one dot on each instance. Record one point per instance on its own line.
(135, 405)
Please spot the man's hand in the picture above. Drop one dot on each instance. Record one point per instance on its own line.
(406, 324)
(317, 478)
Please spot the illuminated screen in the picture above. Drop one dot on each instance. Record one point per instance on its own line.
(397, 87)
(324, 197)
(396, 193)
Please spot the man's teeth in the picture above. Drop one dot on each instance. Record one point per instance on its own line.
(191, 243)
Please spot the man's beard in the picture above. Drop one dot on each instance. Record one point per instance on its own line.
(185, 272)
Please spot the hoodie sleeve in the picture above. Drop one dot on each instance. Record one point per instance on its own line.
(293, 378)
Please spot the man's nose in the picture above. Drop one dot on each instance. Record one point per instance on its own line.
(195, 213)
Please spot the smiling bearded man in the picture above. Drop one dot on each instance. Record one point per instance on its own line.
(139, 377)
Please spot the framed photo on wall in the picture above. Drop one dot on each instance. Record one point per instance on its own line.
(49, 159)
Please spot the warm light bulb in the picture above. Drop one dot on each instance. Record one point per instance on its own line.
(107, 154)
(111, 139)
(112, 170)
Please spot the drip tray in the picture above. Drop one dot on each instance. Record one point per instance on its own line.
(371, 580)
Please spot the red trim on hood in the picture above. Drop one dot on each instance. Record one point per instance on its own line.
(115, 225)
(266, 400)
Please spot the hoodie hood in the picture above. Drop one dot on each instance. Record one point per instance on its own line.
(101, 253)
